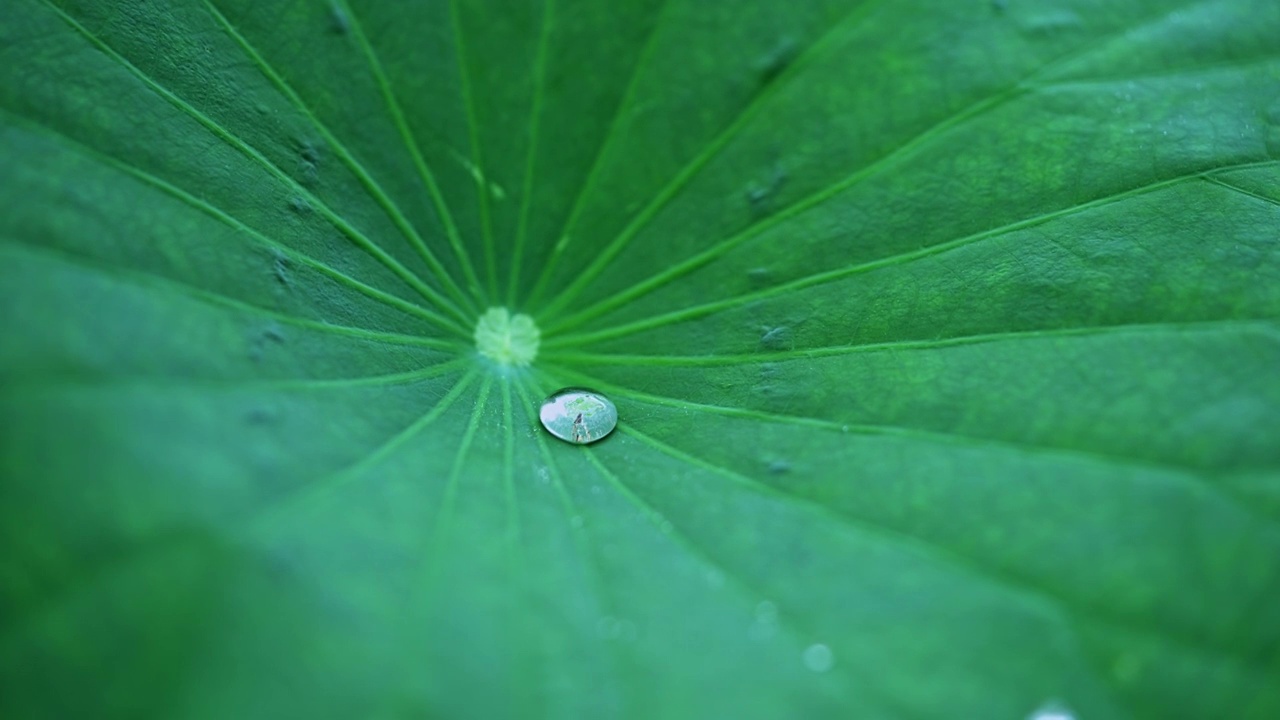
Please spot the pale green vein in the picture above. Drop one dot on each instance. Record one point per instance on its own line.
(580, 532)
(225, 218)
(415, 151)
(477, 159)
(1023, 87)
(509, 470)
(802, 635)
(448, 502)
(160, 283)
(709, 151)
(1058, 603)
(535, 122)
(1184, 73)
(769, 356)
(362, 174)
(1242, 191)
(355, 236)
(172, 386)
(517, 561)
(827, 276)
(612, 135)
(317, 489)
(902, 431)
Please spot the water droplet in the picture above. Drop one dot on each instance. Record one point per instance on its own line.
(819, 658)
(578, 415)
(608, 628)
(761, 631)
(1052, 711)
(766, 611)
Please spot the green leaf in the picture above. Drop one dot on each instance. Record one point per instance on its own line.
(944, 336)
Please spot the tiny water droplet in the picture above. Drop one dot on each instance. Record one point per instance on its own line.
(819, 658)
(578, 415)
(1052, 711)
(766, 611)
(608, 628)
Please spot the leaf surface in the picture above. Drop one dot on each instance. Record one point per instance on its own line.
(943, 337)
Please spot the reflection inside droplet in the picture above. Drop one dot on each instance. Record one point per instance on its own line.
(578, 415)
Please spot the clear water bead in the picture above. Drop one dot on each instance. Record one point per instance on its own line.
(578, 415)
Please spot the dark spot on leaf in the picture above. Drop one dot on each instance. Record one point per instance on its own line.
(778, 467)
(773, 63)
(760, 194)
(776, 338)
(264, 337)
(759, 277)
(308, 171)
(339, 23)
(299, 206)
(261, 415)
(308, 174)
(280, 267)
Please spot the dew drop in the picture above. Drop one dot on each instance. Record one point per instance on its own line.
(1052, 711)
(766, 611)
(578, 415)
(819, 658)
(608, 628)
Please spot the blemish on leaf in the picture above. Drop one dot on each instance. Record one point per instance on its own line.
(280, 268)
(264, 337)
(759, 277)
(773, 63)
(760, 194)
(778, 467)
(261, 415)
(776, 338)
(308, 170)
(299, 206)
(339, 23)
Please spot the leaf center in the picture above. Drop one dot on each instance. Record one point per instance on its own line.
(507, 339)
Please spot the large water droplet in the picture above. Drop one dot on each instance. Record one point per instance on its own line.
(578, 415)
